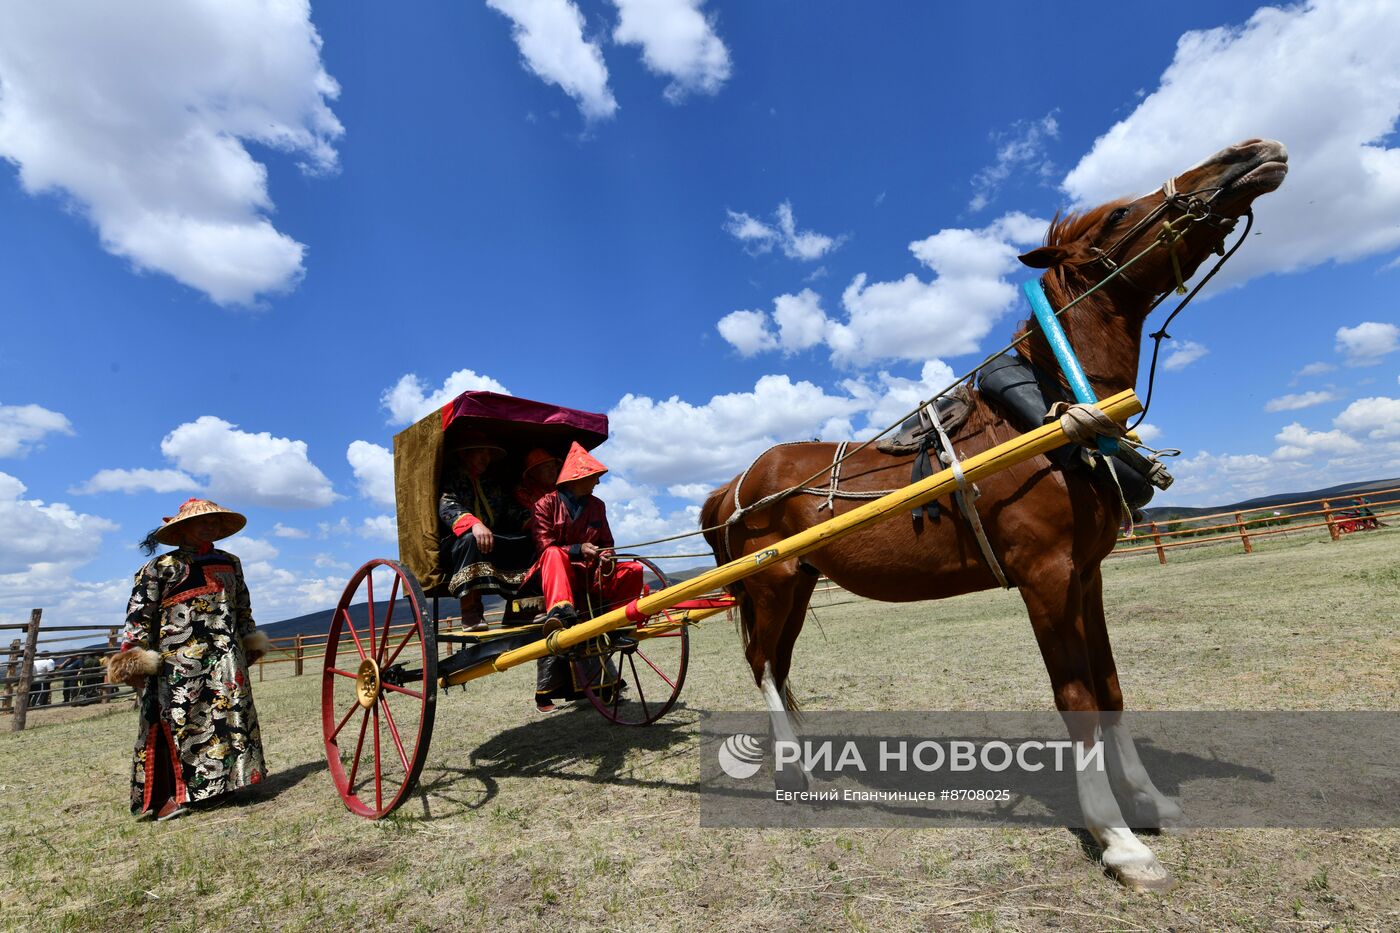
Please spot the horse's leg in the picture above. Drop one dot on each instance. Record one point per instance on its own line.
(772, 597)
(1143, 803)
(1055, 602)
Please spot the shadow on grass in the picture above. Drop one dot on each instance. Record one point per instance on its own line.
(279, 782)
(574, 744)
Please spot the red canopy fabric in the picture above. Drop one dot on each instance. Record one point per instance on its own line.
(514, 420)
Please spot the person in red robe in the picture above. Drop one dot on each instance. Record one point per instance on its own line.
(538, 478)
(575, 545)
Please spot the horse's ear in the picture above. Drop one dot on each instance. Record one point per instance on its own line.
(1044, 257)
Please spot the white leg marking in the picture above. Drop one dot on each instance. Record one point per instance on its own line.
(778, 713)
(1123, 853)
(1144, 804)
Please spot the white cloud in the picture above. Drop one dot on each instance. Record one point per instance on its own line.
(1377, 418)
(22, 427)
(635, 516)
(759, 237)
(671, 442)
(688, 449)
(677, 42)
(549, 34)
(248, 469)
(380, 528)
(141, 112)
(801, 324)
(909, 319)
(1297, 442)
(949, 315)
(406, 401)
(280, 530)
(1148, 432)
(1300, 400)
(1021, 149)
(324, 561)
(1322, 77)
(1314, 369)
(747, 332)
(249, 549)
(39, 535)
(131, 481)
(374, 471)
(337, 529)
(1366, 343)
(887, 397)
(52, 587)
(1184, 355)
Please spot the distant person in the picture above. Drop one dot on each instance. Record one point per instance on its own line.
(41, 681)
(485, 545)
(188, 642)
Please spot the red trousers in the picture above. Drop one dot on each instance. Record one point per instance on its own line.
(557, 579)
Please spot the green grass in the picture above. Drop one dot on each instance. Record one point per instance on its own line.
(567, 823)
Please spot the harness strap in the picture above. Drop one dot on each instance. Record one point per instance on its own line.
(835, 474)
(967, 499)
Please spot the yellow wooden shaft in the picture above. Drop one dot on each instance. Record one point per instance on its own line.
(1119, 407)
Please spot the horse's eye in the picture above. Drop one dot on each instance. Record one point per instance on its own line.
(1118, 214)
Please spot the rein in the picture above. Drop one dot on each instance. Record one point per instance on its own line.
(1194, 210)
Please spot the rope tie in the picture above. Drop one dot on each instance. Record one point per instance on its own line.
(1083, 424)
(835, 475)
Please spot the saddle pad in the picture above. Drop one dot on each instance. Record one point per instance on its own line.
(953, 410)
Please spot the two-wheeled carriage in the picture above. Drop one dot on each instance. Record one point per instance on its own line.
(389, 647)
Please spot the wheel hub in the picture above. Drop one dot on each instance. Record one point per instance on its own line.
(367, 683)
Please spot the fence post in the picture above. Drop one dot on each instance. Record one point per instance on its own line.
(26, 672)
(299, 655)
(1157, 540)
(1239, 523)
(7, 702)
(105, 696)
(1331, 525)
(260, 663)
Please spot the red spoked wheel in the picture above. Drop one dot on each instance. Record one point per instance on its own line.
(649, 658)
(379, 689)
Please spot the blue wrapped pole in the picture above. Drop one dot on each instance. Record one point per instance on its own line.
(1064, 353)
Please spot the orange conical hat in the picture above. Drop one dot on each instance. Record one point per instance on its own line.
(579, 464)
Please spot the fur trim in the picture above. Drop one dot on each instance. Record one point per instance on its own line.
(132, 666)
(256, 645)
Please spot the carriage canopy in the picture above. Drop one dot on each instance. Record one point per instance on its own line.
(517, 424)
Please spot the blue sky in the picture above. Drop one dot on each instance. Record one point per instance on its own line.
(240, 248)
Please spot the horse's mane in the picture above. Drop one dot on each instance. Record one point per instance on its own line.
(1071, 227)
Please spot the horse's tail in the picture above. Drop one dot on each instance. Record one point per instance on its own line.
(716, 536)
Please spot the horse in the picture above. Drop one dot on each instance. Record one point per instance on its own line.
(1049, 527)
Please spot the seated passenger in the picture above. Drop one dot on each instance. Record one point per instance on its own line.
(576, 562)
(485, 546)
(539, 475)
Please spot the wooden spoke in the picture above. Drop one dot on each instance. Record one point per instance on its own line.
(359, 746)
(394, 733)
(354, 705)
(388, 619)
(659, 672)
(397, 689)
(349, 624)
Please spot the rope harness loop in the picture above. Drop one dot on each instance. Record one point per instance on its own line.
(967, 497)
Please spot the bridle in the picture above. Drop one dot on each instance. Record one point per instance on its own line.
(1193, 207)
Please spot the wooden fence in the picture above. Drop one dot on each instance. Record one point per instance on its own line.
(23, 689)
(1247, 525)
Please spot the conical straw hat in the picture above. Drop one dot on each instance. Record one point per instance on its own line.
(579, 464)
(199, 520)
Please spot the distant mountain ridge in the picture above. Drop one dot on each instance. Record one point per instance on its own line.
(1342, 492)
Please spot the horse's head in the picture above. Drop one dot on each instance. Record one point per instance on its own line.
(1199, 207)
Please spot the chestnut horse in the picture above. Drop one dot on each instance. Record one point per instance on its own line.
(1050, 528)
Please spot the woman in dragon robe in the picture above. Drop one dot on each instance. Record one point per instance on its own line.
(188, 642)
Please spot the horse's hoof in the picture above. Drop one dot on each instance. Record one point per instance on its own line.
(1143, 876)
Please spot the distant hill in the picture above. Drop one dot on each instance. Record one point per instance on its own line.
(1342, 493)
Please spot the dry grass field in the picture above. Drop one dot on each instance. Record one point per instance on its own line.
(564, 822)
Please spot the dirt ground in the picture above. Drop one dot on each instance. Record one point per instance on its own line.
(564, 822)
